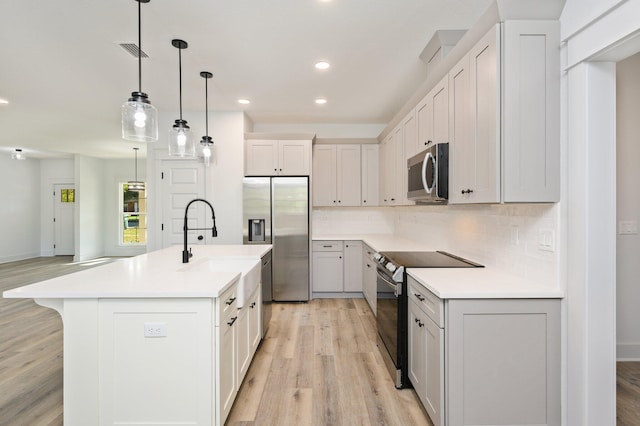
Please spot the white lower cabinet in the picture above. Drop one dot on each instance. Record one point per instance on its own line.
(369, 277)
(337, 268)
(485, 361)
(249, 333)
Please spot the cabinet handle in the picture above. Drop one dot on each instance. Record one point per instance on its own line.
(428, 142)
(230, 301)
(467, 191)
(329, 246)
(280, 169)
(364, 201)
(275, 170)
(339, 257)
(419, 296)
(253, 305)
(230, 323)
(339, 201)
(420, 323)
(393, 199)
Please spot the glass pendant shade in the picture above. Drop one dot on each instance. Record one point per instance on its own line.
(139, 119)
(206, 143)
(181, 142)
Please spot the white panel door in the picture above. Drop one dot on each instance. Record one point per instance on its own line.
(324, 175)
(182, 181)
(461, 150)
(440, 96)
(370, 175)
(63, 211)
(261, 158)
(349, 175)
(294, 157)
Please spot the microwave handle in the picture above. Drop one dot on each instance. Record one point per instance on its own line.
(424, 172)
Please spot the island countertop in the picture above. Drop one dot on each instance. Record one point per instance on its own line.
(158, 274)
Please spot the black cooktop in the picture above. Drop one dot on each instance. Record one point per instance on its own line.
(428, 259)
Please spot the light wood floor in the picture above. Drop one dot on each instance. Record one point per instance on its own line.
(317, 366)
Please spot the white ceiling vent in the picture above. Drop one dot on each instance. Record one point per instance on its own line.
(133, 49)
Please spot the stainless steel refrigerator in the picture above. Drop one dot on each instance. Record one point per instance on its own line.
(276, 211)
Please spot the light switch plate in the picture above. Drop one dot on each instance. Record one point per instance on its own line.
(627, 227)
(547, 240)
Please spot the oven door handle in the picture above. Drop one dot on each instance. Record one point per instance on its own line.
(393, 285)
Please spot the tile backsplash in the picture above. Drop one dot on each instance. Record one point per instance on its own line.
(505, 236)
(519, 238)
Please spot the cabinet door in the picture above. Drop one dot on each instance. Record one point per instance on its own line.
(261, 157)
(369, 277)
(324, 175)
(370, 176)
(433, 385)
(461, 150)
(353, 266)
(328, 271)
(255, 322)
(440, 102)
(294, 157)
(226, 371)
(387, 167)
(484, 78)
(348, 175)
(410, 131)
(417, 349)
(244, 355)
(400, 195)
(424, 117)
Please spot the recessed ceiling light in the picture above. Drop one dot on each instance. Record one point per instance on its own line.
(3, 101)
(244, 101)
(322, 65)
(321, 101)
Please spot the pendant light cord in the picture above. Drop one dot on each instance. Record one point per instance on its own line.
(206, 106)
(180, 74)
(139, 48)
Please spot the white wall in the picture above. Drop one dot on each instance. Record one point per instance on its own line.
(628, 207)
(90, 208)
(328, 131)
(52, 171)
(19, 209)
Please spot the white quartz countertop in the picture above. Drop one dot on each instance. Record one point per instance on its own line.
(156, 274)
(455, 283)
(480, 283)
(378, 242)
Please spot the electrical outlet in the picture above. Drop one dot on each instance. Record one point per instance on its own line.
(627, 227)
(547, 240)
(155, 329)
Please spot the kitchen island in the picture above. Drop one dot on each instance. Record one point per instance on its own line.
(147, 339)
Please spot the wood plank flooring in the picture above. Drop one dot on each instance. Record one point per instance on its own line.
(318, 365)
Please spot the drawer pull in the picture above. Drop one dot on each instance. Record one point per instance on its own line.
(419, 296)
(230, 301)
(329, 246)
(253, 305)
(420, 323)
(230, 323)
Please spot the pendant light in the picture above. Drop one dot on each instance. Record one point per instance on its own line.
(206, 143)
(18, 155)
(180, 140)
(139, 117)
(136, 185)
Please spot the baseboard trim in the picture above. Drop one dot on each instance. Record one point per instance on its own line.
(628, 352)
(17, 257)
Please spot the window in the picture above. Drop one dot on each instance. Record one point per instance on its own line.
(133, 208)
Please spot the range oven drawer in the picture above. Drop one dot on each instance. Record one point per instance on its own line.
(432, 305)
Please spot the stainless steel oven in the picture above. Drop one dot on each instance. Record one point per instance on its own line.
(392, 302)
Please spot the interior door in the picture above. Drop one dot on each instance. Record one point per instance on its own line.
(63, 214)
(182, 181)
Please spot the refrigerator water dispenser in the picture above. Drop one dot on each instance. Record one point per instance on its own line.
(256, 230)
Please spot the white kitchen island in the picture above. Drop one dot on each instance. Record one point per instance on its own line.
(149, 340)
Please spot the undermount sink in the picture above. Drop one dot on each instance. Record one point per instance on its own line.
(249, 268)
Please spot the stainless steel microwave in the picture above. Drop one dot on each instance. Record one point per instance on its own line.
(428, 175)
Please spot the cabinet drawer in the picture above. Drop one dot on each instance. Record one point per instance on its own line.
(226, 305)
(428, 302)
(327, 246)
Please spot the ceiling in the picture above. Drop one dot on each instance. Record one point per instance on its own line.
(65, 75)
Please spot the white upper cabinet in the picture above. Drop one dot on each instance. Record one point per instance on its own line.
(504, 116)
(531, 111)
(370, 174)
(410, 132)
(337, 175)
(432, 115)
(277, 157)
(475, 124)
